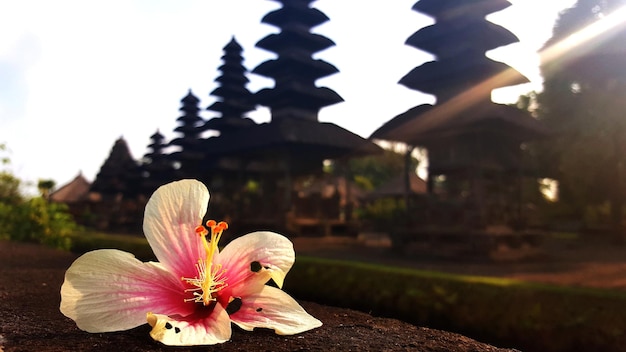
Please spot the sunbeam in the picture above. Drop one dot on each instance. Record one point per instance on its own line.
(575, 45)
(581, 42)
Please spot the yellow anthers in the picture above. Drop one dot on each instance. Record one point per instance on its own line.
(209, 279)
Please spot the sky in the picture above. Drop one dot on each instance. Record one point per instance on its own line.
(75, 75)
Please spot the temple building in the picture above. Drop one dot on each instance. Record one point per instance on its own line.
(189, 156)
(234, 99)
(475, 147)
(294, 143)
(117, 197)
(156, 166)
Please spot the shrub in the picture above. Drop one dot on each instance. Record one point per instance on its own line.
(500, 311)
(37, 220)
(34, 219)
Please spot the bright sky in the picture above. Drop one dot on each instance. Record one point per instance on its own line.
(76, 75)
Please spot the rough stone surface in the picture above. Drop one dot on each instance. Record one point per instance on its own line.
(31, 276)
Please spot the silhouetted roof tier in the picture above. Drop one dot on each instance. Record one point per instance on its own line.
(232, 91)
(297, 95)
(226, 124)
(187, 155)
(424, 123)
(156, 147)
(157, 136)
(231, 108)
(233, 66)
(294, 2)
(385, 131)
(190, 109)
(234, 98)
(449, 77)
(189, 131)
(189, 100)
(157, 141)
(302, 138)
(119, 173)
(187, 143)
(229, 77)
(232, 47)
(444, 9)
(190, 119)
(450, 38)
(293, 37)
(295, 13)
(293, 64)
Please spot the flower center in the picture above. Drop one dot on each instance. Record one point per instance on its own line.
(210, 279)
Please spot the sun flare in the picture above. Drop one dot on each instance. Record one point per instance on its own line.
(579, 39)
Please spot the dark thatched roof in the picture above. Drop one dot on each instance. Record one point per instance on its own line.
(455, 8)
(76, 190)
(296, 136)
(423, 123)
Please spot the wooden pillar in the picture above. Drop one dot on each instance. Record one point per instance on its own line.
(407, 179)
(287, 192)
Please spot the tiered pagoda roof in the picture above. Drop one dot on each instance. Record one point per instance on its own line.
(234, 99)
(191, 127)
(425, 123)
(119, 174)
(157, 166)
(295, 94)
(459, 39)
(294, 132)
(450, 9)
(461, 76)
(190, 122)
(156, 146)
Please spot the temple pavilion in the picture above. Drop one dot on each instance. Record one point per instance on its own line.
(475, 147)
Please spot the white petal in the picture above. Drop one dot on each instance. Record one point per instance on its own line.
(273, 309)
(208, 330)
(110, 290)
(171, 217)
(272, 252)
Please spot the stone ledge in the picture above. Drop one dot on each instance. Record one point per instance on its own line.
(30, 278)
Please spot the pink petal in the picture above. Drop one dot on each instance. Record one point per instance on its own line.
(110, 290)
(171, 217)
(273, 309)
(198, 329)
(251, 260)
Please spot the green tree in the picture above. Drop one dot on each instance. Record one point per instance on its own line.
(45, 187)
(583, 102)
(375, 170)
(34, 219)
(9, 184)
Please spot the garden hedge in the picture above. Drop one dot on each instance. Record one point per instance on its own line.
(504, 312)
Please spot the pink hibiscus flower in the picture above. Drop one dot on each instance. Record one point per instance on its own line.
(194, 292)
